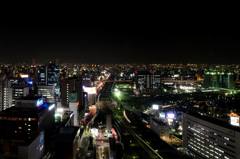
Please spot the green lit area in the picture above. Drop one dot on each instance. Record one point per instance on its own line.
(117, 93)
(219, 79)
(122, 91)
(218, 72)
(123, 86)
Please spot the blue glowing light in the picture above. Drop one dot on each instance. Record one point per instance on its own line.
(39, 102)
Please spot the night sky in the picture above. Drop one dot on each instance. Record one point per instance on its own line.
(121, 39)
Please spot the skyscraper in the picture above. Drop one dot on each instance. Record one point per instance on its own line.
(71, 91)
(42, 75)
(5, 93)
(53, 74)
(48, 74)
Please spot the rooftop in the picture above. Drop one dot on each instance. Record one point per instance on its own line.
(214, 121)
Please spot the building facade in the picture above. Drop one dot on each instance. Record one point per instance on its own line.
(205, 138)
(48, 92)
(5, 94)
(71, 91)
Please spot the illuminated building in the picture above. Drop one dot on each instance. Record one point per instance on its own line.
(19, 91)
(53, 74)
(5, 94)
(47, 92)
(49, 76)
(209, 138)
(148, 81)
(219, 79)
(42, 75)
(71, 91)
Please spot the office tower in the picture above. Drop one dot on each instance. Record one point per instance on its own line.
(49, 74)
(208, 138)
(71, 91)
(147, 80)
(53, 74)
(42, 75)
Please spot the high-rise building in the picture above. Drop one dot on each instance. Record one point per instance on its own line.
(205, 138)
(24, 127)
(42, 75)
(71, 91)
(49, 76)
(53, 74)
(5, 93)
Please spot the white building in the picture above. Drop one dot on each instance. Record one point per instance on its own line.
(5, 94)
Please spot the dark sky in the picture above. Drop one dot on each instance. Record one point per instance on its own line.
(135, 38)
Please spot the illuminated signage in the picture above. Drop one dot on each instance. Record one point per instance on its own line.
(90, 90)
(39, 102)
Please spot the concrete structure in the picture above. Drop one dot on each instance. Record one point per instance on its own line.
(208, 138)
